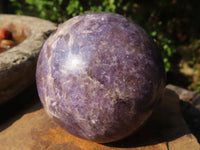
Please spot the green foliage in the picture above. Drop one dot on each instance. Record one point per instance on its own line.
(195, 87)
(60, 10)
(157, 17)
(167, 46)
(174, 25)
(198, 87)
(74, 8)
(46, 9)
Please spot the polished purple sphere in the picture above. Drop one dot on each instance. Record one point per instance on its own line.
(100, 76)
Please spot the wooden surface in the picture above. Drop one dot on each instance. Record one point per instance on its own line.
(165, 130)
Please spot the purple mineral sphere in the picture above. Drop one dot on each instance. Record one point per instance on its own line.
(99, 76)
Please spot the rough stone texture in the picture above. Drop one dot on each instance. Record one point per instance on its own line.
(165, 130)
(17, 65)
(184, 94)
(190, 108)
(102, 73)
(196, 101)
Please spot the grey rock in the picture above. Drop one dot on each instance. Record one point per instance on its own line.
(196, 101)
(184, 94)
(18, 64)
(190, 108)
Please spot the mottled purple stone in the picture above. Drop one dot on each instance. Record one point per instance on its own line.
(100, 76)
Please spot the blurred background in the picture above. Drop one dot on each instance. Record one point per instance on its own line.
(173, 24)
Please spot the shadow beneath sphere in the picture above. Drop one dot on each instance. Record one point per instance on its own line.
(25, 102)
(165, 124)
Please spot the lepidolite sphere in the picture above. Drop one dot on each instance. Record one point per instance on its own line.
(99, 76)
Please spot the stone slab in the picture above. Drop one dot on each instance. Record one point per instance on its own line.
(165, 130)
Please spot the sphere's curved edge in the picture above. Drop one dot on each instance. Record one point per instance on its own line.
(100, 76)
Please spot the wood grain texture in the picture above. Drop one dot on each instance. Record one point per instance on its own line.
(165, 130)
